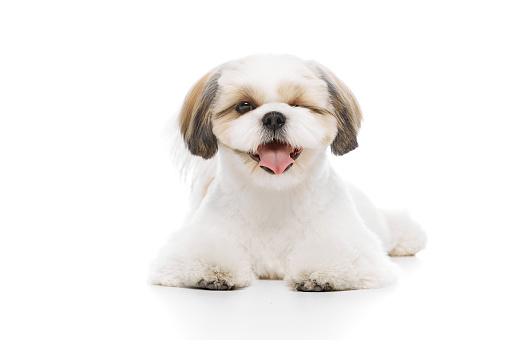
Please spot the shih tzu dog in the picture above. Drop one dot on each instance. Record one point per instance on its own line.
(266, 202)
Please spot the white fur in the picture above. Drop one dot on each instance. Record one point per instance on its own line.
(305, 226)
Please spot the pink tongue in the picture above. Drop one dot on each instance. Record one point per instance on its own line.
(275, 156)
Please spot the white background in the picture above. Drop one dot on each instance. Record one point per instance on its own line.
(88, 192)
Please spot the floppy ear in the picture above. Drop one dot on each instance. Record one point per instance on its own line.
(346, 110)
(195, 118)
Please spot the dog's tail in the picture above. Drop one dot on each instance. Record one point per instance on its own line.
(407, 236)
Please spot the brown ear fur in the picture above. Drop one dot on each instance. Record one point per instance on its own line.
(195, 118)
(346, 110)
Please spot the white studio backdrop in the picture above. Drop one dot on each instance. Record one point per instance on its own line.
(88, 192)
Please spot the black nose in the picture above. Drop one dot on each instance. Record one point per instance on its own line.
(273, 120)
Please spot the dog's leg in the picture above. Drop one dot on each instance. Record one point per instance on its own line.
(407, 236)
(399, 233)
(336, 264)
(202, 257)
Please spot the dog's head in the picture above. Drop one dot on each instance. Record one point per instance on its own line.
(271, 114)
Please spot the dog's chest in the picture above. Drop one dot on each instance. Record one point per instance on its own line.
(268, 224)
(269, 245)
(270, 229)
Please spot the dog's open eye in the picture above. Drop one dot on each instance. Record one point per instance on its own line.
(244, 107)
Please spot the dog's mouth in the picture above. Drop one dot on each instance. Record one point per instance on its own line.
(275, 157)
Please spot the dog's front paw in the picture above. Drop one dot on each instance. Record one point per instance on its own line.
(217, 278)
(336, 279)
(202, 264)
(312, 282)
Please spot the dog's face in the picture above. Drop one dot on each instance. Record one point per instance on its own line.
(270, 115)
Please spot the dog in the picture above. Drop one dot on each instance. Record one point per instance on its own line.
(266, 202)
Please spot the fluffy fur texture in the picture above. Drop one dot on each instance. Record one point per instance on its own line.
(300, 223)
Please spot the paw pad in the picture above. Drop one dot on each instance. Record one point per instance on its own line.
(215, 285)
(313, 287)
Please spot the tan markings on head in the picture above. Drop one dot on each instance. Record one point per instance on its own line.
(222, 124)
(292, 93)
(306, 94)
(195, 117)
(328, 121)
(226, 106)
(345, 109)
(309, 96)
(251, 94)
(233, 95)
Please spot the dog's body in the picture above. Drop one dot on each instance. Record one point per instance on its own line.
(267, 203)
